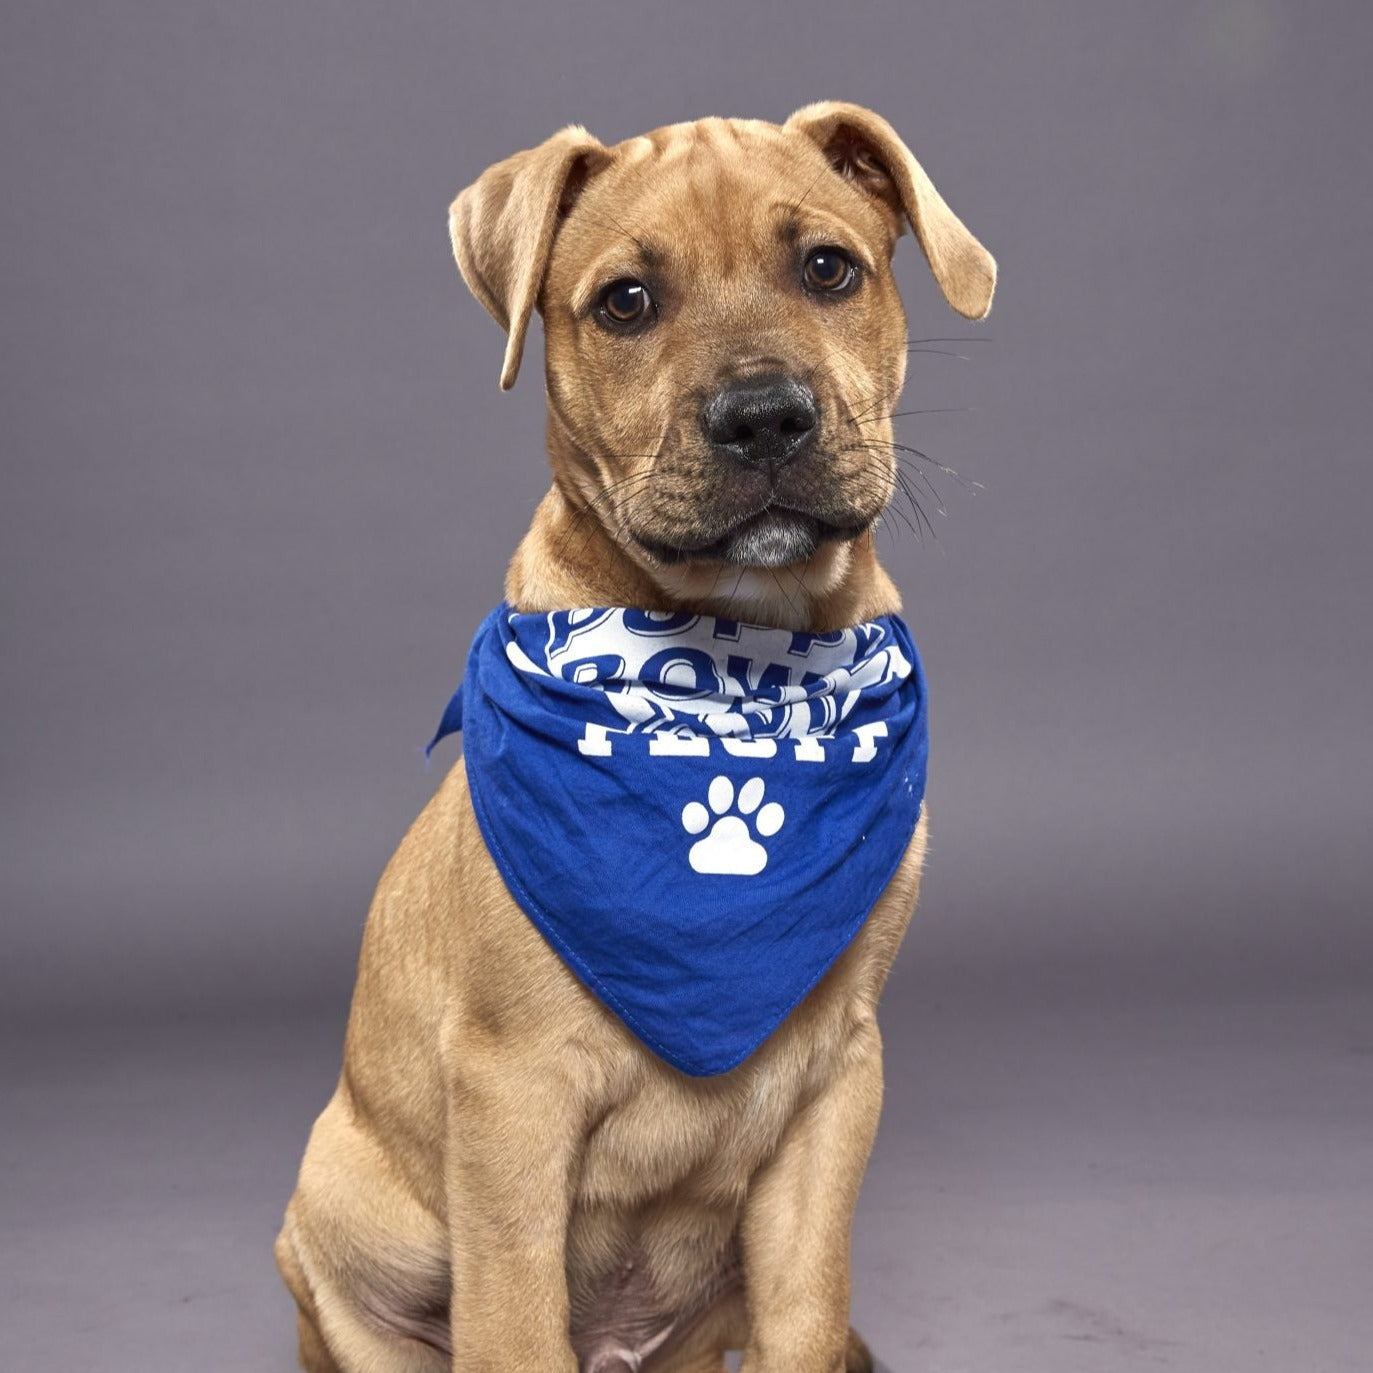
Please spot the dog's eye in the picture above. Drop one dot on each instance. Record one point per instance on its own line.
(626, 302)
(828, 269)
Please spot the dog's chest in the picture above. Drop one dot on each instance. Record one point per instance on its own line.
(698, 1139)
(670, 1139)
(653, 1236)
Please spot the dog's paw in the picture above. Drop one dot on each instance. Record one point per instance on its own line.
(728, 846)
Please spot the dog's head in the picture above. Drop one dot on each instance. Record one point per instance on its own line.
(725, 341)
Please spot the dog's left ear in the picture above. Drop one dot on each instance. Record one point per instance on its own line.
(502, 227)
(863, 148)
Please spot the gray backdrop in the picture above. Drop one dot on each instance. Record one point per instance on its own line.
(260, 486)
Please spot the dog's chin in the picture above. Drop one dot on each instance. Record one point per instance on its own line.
(775, 538)
(772, 538)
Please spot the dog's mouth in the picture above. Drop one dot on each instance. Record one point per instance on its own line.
(775, 536)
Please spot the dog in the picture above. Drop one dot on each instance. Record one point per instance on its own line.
(506, 1178)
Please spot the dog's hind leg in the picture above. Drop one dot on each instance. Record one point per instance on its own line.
(356, 1339)
(314, 1353)
(314, 1357)
(857, 1355)
(364, 1260)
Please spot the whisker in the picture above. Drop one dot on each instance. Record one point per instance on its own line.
(777, 582)
(866, 410)
(719, 572)
(877, 445)
(900, 414)
(738, 582)
(919, 509)
(969, 482)
(893, 508)
(900, 475)
(640, 478)
(642, 246)
(809, 189)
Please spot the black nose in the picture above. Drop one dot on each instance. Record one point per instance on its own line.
(767, 420)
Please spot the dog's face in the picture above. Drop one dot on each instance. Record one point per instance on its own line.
(725, 341)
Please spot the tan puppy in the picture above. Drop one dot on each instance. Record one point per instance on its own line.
(506, 1179)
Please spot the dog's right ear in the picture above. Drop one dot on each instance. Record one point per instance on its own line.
(864, 149)
(503, 224)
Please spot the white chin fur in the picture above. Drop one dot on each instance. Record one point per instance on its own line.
(760, 594)
(774, 542)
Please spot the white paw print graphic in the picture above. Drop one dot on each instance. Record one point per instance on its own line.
(730, 847)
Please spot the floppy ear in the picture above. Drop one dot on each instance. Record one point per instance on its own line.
(863, 148)
(503, 224)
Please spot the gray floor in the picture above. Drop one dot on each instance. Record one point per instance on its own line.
(1134, 1185)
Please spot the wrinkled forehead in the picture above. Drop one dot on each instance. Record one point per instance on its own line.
(723, 198)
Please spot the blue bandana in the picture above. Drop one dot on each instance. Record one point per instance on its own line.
(698, 814)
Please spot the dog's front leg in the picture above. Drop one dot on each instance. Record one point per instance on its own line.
(798, 1218)
(514, 1132)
